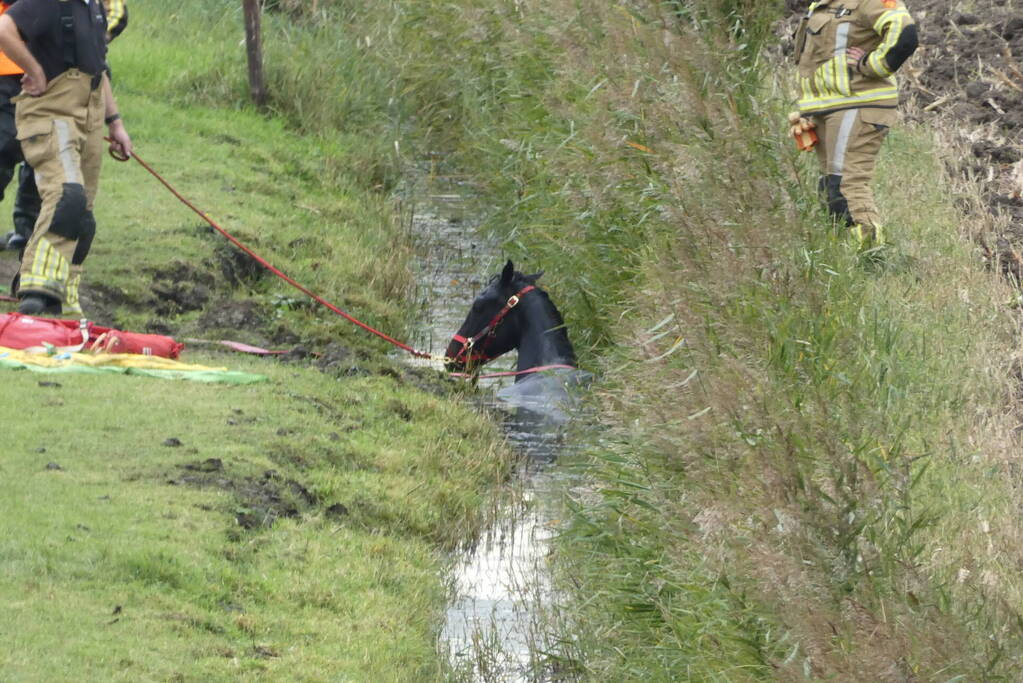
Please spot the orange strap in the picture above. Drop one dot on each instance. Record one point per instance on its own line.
(7, 65)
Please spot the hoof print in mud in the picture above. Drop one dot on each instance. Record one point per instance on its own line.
(237, 267)
(180, 288)
(336, 511)
(401, 410)
(335, 356)
(296, 354)
(233, 315)
(207, 465)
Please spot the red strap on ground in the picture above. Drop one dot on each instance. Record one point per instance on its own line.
(263, 262)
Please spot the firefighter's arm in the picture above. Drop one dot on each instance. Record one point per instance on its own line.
(117, 18)
(899, 38)
(34, 81)
(119, 140)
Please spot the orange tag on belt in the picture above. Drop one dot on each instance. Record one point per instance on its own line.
(806, 140)
(890, 4)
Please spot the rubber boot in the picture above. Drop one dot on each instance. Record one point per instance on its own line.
(14, 241)
(38, 304)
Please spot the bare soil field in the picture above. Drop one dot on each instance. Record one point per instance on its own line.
(967, 78)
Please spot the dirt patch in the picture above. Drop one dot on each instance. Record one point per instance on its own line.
(336, 357)
(967, 79)
(179, 288)
(227, 314)
(261, 500)
(237, 267)
(101, 302)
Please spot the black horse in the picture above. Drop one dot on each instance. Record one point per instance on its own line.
(513, 313)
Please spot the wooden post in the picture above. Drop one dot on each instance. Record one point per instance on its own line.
(254, 47)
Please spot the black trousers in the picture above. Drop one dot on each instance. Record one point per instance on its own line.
(26, 201)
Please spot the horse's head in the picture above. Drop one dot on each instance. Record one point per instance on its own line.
(492, 327)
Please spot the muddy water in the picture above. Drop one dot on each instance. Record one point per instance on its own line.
(499, 587)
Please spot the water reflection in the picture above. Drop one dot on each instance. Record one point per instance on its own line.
(500, 586)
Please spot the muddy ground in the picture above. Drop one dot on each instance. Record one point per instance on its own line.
(967, 80)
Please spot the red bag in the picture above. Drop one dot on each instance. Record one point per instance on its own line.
(30, 333)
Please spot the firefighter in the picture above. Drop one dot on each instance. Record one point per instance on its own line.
(848, 52)
(27, 202)
(66, 99)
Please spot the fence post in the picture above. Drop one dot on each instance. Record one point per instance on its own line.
(254, 47)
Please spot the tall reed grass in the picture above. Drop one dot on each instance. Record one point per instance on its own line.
(804, 469)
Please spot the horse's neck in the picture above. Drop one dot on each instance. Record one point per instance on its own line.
(544, 339)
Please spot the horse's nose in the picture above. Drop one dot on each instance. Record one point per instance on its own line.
(454, 359)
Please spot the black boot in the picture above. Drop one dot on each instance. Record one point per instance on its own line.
(38, 304)
(14, 241)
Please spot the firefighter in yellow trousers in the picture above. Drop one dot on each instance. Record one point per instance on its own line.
(848, 52)
(66, 100)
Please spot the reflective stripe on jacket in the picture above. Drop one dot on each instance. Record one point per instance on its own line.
(7, 65)
(117, 16)
(883, 29)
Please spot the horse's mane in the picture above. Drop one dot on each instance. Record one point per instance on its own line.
(520, 280)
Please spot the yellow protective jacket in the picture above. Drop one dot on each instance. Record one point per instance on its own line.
(883, 29)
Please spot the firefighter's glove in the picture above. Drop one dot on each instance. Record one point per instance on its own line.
(802, 131)
(799, 124)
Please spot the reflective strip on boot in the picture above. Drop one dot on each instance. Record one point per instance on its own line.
(49, 271)
(863, 236)
(867, 237)
(72, 305)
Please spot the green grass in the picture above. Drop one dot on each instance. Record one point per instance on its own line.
(124, 526)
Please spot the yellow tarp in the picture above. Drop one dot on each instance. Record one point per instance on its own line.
(123, 363)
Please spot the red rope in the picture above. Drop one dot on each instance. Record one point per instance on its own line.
(513, 373)
(270, 267)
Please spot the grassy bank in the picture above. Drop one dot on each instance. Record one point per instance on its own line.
(291, 530)
(157, 530)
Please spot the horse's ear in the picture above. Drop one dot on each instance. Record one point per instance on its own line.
(508, 273)
(531, 279)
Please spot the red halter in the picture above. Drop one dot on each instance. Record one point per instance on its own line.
(488, 331)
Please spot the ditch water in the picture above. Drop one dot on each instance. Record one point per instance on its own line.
(500, 585)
